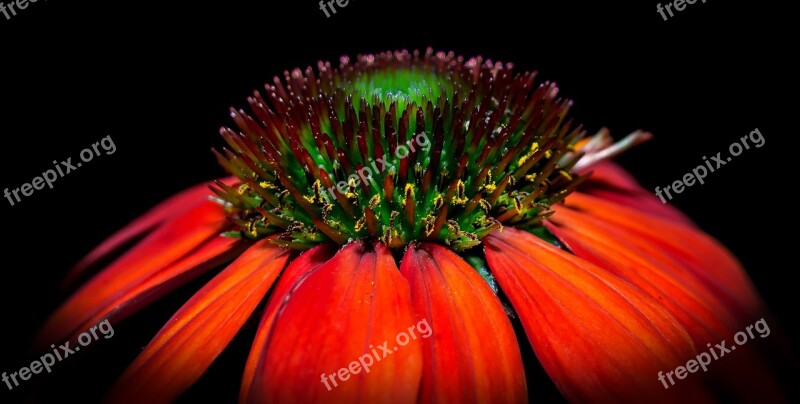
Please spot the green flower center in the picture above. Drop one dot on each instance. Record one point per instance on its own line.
(398, 147)
(404, 85)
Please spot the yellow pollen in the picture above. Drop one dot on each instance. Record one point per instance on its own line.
(374, 201)
(430, 221)
(526, 156)
(438, 201)
(409, 191)
(360, 223)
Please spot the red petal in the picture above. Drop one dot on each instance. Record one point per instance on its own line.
(201, 329)
(705, 318)
(164, 211)
(661, 277)
(597, 337)
(339, 314)
(474, 356)
(610, 182)
(142, 263)
(216, 252)
(296, 271)
(611, 174)
(708, 260)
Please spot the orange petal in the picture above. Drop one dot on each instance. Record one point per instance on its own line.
(474, 355)
(349, 309)
(703, 316)
(216, 252)
(298, 269)
(610, 182)
(164, 211)
(201, 329)
(707, 259)
(707, 320)
(598, 338)
(143, 262)
(612, 175)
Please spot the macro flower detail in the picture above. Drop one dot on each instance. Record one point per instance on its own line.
(408, 186)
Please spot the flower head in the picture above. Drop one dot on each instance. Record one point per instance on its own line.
(406, 189)
(399, 147)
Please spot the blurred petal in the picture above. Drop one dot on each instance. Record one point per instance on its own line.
(704, 257)
(704, 317)
(142, 263)
(597, 337)
(610, 174)
(164, 211)
(473, 355)
(216, 252)
(201, 329)
(298, 269)
(343, 312)
(601, 147)
(610, 182)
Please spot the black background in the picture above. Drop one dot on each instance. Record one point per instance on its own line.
(159, 79)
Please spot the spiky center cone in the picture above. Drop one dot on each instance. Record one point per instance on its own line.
(398, 147)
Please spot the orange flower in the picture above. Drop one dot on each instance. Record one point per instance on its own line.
(404, 189)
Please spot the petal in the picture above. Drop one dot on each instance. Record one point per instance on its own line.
(298, 269)
(142, 263)
(164, 211)
(475, 355)
(610, 182)
(216, 252)
(611, 175)
(601, 147)
(348, 310)
(201, 329)
(705, 318)
(597, 337)
(704, 257)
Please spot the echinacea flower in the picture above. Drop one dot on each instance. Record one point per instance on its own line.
(403, 187)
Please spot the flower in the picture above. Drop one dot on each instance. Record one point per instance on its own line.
(466, 219)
